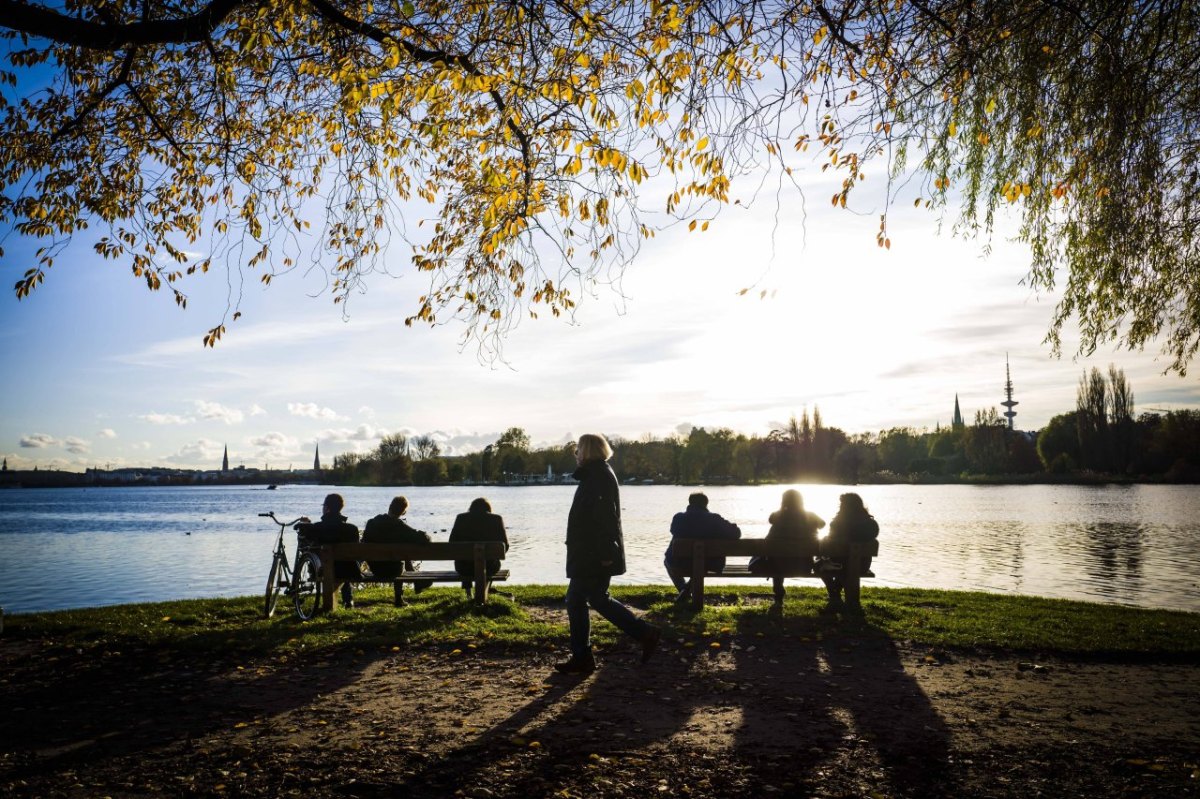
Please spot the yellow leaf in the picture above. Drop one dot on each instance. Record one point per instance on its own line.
(700, 145)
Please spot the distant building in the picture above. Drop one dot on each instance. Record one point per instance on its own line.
(957, 422)
(317, 459)
(225, 460)
(1009, 402)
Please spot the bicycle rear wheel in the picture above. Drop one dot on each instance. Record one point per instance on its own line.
(271, 597)
(306, 586)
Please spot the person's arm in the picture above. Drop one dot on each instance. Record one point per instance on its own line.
(502, 531)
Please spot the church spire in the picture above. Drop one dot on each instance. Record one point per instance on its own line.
(1009, 402)
(957, 422)
(317, 459)
(225, 460)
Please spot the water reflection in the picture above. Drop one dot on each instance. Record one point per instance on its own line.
(1110, 553)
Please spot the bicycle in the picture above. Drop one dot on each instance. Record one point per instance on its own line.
(301, 581)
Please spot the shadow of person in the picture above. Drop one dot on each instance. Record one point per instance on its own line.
(844, 700)
(91, 711)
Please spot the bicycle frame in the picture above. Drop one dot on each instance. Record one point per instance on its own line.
(282, 574)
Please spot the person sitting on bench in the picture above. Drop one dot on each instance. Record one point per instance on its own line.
(853, 524)
(697, 522)
(478, 524)
(390, 528)
(791, 523)
(333, 529)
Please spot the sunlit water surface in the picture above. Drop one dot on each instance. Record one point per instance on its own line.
(81, 547)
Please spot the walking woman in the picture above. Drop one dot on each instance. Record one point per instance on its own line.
(596, 553)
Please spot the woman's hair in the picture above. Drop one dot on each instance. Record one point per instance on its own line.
(853, 503)
(334, 503)
(593, 446)
(791, 500)
(480, 505)
(399, 506)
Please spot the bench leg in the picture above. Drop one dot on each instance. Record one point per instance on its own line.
(398, 593)
(328, 585)
(481, 577)
(697, 586)
(697, 589)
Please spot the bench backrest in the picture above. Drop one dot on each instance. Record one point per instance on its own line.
(750, 547)
(438, 550)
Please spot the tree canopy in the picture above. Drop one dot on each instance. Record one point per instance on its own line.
(504, 146)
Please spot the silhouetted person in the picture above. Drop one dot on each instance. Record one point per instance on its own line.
(796, 527)
(697, 522)
(595, 554)
(390, 528)
(333, 529)
(478, 524)
(853, 524)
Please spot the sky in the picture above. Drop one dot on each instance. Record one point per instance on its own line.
(102, 373)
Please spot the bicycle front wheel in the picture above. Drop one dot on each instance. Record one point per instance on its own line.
(306, 586)
(271, 597)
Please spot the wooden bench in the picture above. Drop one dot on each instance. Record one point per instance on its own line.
(750, 547)
(479, 552)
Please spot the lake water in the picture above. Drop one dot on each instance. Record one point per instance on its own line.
(81, 547)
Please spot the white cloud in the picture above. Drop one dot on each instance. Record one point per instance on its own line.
(275, 446)
(76, 446)
(364, 432)
(38, 441)
(215, 410)
(257, 410)
(366, 412)
(313, 411)
(202, 454)
(165, 418)
(107, 432)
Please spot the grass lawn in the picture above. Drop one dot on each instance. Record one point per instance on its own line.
(532, 616)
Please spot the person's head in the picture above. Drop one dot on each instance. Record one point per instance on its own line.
(398, 506)
(852, 503)
(791, 500)
(333, 504)
(480, 505)
(592, 447)
(698, 500)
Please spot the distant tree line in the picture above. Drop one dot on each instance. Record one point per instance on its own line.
(1102, 438)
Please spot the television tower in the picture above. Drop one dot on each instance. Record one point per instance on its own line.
(1009, 402)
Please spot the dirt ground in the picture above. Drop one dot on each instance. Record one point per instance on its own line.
(842, 712)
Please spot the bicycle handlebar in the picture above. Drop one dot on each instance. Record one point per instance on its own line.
(271, 515)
